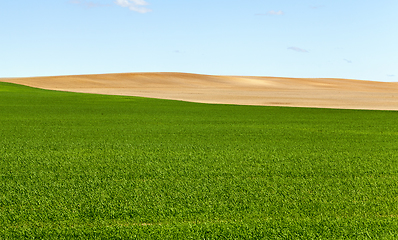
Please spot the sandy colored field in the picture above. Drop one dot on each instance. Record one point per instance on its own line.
(268, 91)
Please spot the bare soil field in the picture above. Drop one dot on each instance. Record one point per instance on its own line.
(243, 90)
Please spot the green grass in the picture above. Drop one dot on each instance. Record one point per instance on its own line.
(94, 166)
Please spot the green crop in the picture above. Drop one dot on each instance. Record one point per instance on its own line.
(83, 166)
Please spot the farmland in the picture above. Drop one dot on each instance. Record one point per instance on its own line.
(76, 165)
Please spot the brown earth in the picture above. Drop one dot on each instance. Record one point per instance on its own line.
(244, 90)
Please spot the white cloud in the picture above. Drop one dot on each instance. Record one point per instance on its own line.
(275, 13)
(297, 49)
(390, 75)
(134, 5)
(348, 61)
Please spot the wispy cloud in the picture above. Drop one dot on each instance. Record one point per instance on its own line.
(275, 13)
(297, 49)
(390, 75)
(348, 61)
(270, 13)
(134, 5)
(317, 6)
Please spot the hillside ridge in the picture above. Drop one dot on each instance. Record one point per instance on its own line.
(242, 90)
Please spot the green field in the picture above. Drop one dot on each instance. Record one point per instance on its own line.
(115, 167)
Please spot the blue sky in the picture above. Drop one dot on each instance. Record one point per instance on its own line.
(283, 38)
